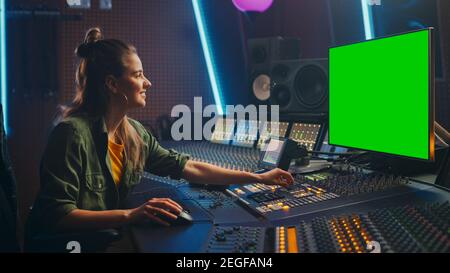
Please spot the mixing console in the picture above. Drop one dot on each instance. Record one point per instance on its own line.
(343, 209)
(306, 134)
(353, 181)
(401, 229)
(271, 129)
(157, 186)
(236, 240)
(315, 188)
(223, 132)
(246, 133)
(230, 157)
(164, 180)
(209, 200)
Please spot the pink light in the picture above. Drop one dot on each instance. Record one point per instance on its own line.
(253, 5)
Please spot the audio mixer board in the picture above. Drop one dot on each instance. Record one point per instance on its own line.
(343, 209)
(401, 229)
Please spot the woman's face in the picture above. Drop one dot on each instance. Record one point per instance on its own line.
(133, 84)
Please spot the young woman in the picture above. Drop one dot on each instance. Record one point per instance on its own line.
(96, 154)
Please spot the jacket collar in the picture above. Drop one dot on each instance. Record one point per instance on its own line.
(99, 126)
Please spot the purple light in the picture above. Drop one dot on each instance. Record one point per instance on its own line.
(253, 5)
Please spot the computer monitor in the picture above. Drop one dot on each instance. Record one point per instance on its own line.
(382, 95)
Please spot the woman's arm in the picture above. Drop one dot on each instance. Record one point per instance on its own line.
(204, 173)
(79, 219)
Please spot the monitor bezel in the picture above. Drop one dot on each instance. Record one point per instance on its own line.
(267, 165)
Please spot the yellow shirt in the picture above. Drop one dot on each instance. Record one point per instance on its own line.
(116, 152)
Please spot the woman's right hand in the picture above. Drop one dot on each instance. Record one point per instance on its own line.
(153, 208)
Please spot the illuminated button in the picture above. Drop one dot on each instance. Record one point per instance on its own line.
(276, 207)
(286, 208)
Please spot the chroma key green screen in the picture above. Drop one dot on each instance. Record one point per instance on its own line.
(381, 95)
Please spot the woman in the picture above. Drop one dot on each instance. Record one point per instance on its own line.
(96, 154)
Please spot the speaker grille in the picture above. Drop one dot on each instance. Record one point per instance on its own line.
(311, 86)
(281, 95)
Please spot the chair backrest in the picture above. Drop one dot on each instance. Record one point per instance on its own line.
(8, 199)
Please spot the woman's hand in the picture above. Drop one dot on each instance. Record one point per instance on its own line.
(277, 177)
(153, 209)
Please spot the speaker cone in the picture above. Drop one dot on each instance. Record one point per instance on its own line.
(311, 86)
(281, 95)
(261, 87)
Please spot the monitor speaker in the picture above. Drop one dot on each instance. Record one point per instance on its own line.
(262, 53)
(300, 86)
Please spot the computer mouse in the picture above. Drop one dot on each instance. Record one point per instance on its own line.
(184, 218)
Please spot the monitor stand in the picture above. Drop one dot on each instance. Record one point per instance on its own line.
(313, 166)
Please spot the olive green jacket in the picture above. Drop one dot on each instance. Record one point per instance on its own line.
(76, 171)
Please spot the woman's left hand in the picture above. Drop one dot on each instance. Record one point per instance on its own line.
(277, 177)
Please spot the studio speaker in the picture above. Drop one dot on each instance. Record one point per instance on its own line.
(300, 86)
(262, 53)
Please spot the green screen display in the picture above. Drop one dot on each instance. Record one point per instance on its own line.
(380, 95)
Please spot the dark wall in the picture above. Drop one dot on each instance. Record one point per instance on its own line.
(443, 86)
(230, 29)
(308, 20)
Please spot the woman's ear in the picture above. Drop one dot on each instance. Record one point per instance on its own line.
(111, 83)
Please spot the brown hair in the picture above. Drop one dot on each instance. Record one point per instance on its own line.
(100, 58)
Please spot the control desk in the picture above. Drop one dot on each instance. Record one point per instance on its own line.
(344, 208)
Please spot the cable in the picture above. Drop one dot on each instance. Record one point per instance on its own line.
(330, 153)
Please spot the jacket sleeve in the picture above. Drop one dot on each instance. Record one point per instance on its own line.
(164, 162)
(60, 171)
